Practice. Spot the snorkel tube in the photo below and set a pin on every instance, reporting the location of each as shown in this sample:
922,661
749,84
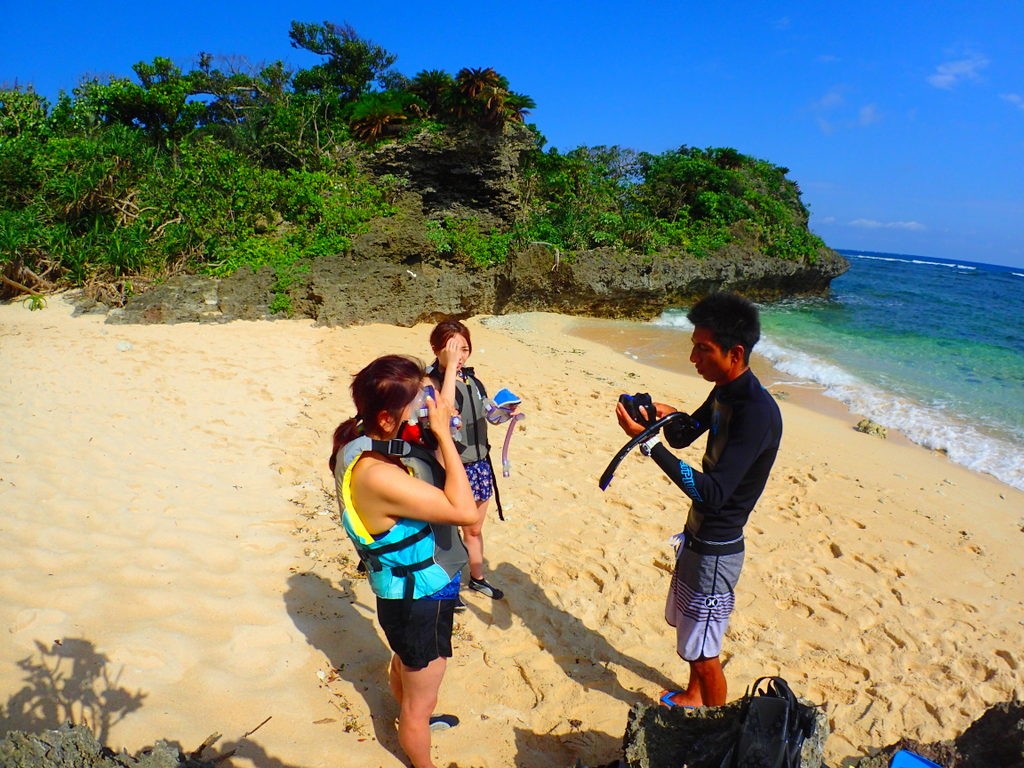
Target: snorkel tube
653,429
506,465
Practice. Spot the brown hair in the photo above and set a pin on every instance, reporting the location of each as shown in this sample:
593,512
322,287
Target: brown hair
445,330
388,384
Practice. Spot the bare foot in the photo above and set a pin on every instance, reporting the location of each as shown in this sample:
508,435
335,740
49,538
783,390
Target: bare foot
680,699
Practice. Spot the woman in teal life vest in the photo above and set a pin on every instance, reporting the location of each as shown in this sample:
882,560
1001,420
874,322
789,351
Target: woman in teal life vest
400,508
459,388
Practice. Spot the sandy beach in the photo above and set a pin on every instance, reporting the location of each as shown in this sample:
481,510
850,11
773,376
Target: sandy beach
174,566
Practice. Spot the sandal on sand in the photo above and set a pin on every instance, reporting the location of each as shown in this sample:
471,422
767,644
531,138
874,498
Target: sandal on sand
443,722
666,700
440,722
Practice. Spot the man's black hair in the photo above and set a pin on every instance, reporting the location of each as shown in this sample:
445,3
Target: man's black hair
731,319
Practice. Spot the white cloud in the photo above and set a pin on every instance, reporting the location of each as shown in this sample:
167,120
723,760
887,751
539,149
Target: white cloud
831,100
833,113
1013,98
869,114
951,73
912,226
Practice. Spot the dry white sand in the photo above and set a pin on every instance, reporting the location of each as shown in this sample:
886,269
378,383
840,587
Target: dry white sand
173,566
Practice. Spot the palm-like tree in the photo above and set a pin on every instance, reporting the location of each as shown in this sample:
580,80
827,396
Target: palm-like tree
471,82
375,113
482,95
518,106
431,85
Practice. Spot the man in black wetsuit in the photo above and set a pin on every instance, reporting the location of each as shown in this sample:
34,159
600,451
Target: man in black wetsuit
744,428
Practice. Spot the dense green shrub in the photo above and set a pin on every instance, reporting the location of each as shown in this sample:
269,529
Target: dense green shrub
212,171
465,240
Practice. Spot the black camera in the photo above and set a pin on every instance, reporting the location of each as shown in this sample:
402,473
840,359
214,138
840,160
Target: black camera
681,431
640,408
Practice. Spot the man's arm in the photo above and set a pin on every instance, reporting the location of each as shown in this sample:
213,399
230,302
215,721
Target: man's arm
700,420
747,441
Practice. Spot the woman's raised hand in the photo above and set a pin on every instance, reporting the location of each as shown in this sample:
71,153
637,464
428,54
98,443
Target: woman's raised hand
440,414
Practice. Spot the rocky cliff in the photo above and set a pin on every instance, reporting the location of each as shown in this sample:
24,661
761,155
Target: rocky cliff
393,273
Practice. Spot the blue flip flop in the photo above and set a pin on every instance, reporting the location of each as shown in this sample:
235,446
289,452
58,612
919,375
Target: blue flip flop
666,700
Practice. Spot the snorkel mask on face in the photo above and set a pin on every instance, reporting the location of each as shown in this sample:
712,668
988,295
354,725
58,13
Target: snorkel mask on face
417,428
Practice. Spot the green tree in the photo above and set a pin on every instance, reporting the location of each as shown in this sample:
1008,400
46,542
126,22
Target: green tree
432,86
518,106
375,113
352,66
21,112
160,104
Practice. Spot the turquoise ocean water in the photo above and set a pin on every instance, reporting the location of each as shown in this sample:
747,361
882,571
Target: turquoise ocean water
932,348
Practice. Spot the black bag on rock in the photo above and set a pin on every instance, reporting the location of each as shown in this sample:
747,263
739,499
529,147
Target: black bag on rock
773,727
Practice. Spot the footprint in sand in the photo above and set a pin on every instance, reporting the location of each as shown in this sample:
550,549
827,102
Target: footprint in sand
865,563
1009,658
899,642
795,608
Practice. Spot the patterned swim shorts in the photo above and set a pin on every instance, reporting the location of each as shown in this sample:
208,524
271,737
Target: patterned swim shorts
481,480
700,602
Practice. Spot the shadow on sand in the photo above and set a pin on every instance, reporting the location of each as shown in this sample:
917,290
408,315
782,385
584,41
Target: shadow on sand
344,630
583,653
70,682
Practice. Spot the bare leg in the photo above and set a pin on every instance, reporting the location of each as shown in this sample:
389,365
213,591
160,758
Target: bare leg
473,538
711,680
395,678
418,688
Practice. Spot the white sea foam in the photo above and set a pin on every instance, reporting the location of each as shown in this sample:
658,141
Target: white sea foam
673,320
923,262
930,426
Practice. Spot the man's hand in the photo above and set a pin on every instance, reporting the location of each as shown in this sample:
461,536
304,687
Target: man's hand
633,428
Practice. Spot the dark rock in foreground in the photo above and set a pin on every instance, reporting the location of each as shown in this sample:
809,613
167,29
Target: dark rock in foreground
658,737
994,740
76,747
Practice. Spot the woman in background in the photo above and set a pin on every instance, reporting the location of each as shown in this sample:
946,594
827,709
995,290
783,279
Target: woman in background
459,388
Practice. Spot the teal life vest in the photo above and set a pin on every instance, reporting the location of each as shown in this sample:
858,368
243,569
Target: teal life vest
413,558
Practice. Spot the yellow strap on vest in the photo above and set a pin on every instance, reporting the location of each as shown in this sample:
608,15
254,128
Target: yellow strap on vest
350,508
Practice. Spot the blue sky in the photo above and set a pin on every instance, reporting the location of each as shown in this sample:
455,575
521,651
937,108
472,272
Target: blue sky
902,122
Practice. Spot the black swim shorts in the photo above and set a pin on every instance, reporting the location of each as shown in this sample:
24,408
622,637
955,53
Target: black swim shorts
418,631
